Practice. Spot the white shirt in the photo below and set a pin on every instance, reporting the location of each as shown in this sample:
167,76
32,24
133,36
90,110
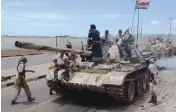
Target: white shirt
21,67
109,38
153,69
62,61
119,41
123,37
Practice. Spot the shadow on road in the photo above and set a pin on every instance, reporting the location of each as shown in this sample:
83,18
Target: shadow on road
90,100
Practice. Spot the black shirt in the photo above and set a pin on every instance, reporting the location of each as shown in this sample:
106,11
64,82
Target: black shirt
95,35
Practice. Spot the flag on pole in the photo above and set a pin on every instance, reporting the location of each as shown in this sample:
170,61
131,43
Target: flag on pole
142,5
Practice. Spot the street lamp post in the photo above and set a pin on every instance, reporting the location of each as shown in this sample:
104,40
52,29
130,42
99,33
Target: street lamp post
171,19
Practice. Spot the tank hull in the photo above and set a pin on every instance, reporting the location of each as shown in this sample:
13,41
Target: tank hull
121,84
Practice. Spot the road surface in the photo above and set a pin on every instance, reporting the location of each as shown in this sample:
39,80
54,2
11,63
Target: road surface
78,102
11,62
39,90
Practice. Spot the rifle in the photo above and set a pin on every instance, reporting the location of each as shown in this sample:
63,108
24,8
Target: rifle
82,48
126,31
6,78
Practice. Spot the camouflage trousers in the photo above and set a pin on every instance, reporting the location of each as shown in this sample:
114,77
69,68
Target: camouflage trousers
18,85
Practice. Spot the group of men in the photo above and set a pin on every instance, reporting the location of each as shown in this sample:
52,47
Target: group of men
64,59
122,40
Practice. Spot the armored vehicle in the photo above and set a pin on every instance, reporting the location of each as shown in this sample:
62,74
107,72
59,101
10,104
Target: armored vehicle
125,81
157,48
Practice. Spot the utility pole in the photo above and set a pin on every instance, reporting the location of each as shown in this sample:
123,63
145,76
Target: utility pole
56,43
134,30
137,28
141,32
171,19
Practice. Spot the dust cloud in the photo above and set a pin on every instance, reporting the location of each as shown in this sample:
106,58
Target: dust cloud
168,63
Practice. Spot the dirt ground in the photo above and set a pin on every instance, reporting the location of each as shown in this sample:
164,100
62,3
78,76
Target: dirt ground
167,94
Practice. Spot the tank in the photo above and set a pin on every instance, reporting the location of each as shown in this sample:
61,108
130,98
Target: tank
125,81
158,48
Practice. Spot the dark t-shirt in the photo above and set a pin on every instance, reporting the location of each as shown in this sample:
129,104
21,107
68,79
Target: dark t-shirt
95,35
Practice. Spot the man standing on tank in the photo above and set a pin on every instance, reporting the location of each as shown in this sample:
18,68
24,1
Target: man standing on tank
124,44
119,42
106,38
97,54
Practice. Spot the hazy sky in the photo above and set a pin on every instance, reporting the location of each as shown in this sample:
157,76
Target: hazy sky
73,17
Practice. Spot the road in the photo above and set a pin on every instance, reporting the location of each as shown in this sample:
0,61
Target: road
11,62
78,102
39,90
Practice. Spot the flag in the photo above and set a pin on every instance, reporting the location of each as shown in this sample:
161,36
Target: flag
142,5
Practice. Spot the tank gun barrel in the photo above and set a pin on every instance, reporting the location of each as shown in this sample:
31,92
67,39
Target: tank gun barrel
27,45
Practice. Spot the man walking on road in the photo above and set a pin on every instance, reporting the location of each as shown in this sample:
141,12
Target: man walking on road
20,81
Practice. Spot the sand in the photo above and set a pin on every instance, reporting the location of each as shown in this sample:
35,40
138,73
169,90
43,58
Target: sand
167,94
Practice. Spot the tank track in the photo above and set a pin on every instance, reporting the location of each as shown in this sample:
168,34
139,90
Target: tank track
120,93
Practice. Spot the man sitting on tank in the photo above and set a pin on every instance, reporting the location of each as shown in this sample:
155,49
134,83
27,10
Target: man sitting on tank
89,48
59,62
71,55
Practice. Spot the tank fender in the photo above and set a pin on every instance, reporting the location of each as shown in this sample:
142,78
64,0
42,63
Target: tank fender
115,78
95,79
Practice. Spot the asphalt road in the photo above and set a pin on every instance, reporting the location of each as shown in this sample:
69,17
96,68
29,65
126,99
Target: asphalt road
77,102
39,90
11,62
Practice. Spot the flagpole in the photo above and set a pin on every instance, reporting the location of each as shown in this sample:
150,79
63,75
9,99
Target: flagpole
133,21
137,28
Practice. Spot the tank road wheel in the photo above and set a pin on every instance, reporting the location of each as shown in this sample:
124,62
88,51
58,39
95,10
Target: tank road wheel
139,85
131,91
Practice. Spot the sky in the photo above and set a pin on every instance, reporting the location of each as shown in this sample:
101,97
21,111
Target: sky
73,17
